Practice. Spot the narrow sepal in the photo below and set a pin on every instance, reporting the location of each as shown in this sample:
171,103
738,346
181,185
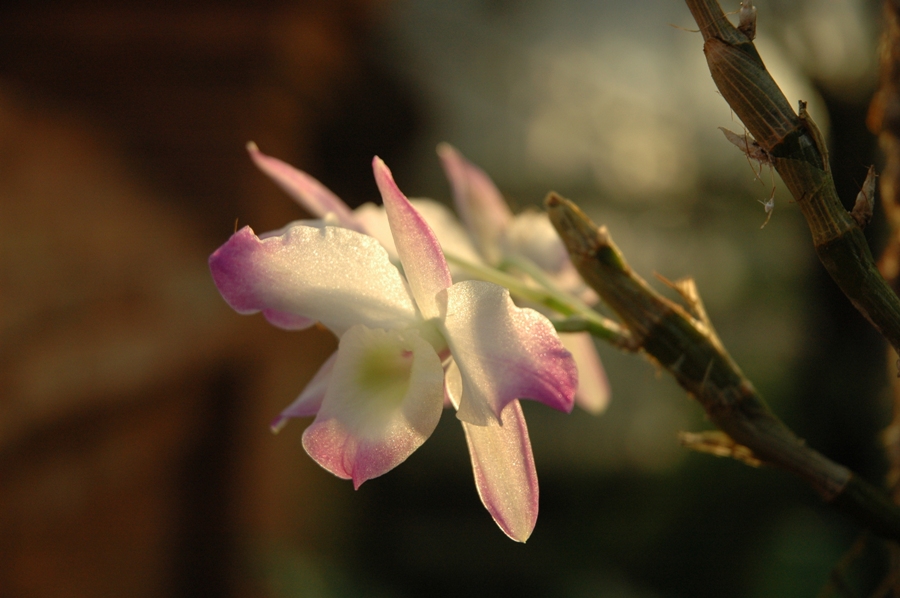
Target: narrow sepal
478,201
418,247
312,195
504,470
310,400
593,386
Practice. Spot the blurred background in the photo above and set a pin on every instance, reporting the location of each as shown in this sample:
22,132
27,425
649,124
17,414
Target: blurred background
135,454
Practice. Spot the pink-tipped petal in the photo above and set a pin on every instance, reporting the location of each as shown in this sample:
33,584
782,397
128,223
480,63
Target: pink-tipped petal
331,275
310,400
504,472
502,462
384,400
312,195
478,201
286,320
453,238
593,386
418,248
450,234
503,352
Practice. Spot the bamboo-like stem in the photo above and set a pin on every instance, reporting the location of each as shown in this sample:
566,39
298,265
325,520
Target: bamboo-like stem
689,349
796,149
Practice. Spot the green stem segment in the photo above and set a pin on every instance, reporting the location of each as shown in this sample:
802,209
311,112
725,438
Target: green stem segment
689,349
581,317
796,149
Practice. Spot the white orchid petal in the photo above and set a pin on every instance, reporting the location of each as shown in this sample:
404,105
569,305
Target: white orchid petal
312,195
418,248
504,470
374,221
310,400
452,385
502,462
384,400
450,234
593,386
531,234
331,275
503,352
287,320
478,201
453,238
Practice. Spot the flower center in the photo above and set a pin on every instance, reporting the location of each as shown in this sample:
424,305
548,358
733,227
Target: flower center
383,368
429,331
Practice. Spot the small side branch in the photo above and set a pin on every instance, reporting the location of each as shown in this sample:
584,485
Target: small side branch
687,346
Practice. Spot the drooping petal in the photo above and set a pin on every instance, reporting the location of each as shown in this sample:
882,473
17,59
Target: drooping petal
312,195
504,470
478,201
502,462
418,248
309,401
504,352
331,275
384,400
593,386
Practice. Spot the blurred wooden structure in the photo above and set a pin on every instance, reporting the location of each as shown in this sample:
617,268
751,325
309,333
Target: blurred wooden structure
135,458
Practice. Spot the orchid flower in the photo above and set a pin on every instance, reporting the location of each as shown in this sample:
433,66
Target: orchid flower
528,242
407,341
494,236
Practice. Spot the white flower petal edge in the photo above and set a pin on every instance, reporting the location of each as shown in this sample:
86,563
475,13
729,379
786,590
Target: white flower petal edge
384,400
478,201
331,275
373,220
503,352
450,234
310,400
454,239
503,464
304,189
505,475
420,253
531,234
593,386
